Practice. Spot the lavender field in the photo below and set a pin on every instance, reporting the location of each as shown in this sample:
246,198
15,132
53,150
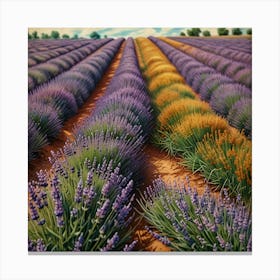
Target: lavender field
140,144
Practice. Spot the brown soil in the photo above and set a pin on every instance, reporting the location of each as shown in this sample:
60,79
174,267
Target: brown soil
169,169
42,162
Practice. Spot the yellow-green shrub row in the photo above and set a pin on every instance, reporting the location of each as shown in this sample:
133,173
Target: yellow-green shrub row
187,126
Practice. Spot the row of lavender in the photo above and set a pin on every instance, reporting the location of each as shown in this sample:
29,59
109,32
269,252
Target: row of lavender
239,55
85,205
238,71
226,97
44,72
50,105
42,56
241,44
45,45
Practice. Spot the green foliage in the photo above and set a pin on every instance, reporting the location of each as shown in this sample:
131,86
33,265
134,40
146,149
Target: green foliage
186,221
249,31
76,36
105,36
194,32
222,31
35,35
206,33
236,31
65,36
29,36
94,35
182,34
55,34
45,36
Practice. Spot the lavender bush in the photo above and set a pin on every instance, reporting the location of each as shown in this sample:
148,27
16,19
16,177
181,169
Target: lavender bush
225,96
36,140
81,210
186,221
240,116
46,119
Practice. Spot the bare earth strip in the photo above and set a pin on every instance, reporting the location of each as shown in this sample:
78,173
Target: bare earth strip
42,162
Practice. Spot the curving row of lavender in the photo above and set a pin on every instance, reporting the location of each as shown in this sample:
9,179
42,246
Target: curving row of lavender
49,44
240,72
44,72
92,189
243,45
51,104
236,55
226,97
42,56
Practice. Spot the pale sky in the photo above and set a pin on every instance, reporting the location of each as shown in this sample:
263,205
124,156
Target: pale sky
123,32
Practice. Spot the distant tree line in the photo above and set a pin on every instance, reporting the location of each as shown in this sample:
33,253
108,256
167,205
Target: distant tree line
56,35
195,32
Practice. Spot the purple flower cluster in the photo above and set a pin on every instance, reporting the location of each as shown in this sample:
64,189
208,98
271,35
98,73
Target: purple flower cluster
56,101
222,91
87,206
195,222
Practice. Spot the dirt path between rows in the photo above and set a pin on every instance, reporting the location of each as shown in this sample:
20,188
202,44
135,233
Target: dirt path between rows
42,162
169,169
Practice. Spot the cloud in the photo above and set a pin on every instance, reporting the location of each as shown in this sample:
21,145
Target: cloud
122,32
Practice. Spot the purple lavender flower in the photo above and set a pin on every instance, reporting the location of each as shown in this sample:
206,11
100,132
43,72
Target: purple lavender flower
33,211
79,192
74,213
79,243
102,211
40,246
157,236
31,245
111,243
130,247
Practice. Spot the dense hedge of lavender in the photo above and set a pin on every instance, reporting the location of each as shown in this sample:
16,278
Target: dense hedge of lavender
43,72
219,63
219,90
85,205
53,103
42,56
186,221
214,46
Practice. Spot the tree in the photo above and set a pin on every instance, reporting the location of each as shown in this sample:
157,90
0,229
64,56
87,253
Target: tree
65,36
194,32
45,36
206,33
249,31
29,36
182,34
236,31
55,34
223,31
105,36
94,35
35,35
76,36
